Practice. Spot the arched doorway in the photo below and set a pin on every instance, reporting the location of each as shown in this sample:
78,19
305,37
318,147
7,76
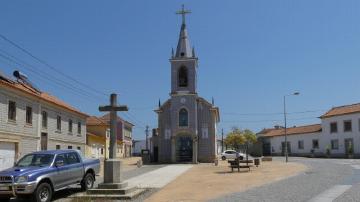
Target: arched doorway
184,147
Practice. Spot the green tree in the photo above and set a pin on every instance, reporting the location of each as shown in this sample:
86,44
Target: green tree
250,137
238,137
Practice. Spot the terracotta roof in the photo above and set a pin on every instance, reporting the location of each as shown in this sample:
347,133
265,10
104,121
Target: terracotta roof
41,95
93,120
103,120
106,117
266,130
291,131
341,110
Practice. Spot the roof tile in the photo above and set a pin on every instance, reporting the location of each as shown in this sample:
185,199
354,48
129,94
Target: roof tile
291,131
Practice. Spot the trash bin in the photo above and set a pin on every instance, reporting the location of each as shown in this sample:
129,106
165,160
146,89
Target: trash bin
257,162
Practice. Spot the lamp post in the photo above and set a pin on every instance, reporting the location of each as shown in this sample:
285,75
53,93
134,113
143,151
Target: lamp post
286,146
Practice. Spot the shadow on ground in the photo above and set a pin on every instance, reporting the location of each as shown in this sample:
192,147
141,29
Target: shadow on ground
229,172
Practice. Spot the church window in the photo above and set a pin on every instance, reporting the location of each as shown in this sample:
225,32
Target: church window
183,77
205,131
183,118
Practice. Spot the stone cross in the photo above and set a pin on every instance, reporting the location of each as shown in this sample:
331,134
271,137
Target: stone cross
183,12
113,108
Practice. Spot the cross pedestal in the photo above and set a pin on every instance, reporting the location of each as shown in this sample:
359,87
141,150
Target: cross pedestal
113,166
113,175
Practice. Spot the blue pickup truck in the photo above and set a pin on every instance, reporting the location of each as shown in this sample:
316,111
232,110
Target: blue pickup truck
38,175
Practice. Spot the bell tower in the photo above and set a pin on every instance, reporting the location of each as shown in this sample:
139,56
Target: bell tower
183,62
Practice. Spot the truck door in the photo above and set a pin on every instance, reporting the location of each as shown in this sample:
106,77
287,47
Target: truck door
60,177
76,171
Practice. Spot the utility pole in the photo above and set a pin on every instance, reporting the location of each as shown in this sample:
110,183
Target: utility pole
222,140
147,137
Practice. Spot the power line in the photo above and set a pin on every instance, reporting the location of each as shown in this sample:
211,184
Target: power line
36,70
50,66
272,113
48,77
134,121
60,82
259,121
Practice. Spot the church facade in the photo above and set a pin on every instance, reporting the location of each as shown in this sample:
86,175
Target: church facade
186,122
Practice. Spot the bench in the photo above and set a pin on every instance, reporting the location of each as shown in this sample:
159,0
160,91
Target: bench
237,164
246,161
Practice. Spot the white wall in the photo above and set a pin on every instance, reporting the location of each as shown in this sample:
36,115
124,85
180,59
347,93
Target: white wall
293,140
341,135
64,136
324,137
28,136
24,135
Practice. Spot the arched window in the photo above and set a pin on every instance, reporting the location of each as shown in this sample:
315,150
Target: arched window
183,118
183,77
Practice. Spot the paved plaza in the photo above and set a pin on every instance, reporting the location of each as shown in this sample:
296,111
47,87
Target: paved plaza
326,180
159,177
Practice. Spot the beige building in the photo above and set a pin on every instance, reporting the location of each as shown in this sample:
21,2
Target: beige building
98,134
31,120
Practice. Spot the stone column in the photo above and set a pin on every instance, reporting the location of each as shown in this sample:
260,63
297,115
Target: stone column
173,149
195,149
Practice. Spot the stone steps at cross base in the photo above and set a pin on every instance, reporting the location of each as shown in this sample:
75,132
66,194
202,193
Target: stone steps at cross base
111,191
109,197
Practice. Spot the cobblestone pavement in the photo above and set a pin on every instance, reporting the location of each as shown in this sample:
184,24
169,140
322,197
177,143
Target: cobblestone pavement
322,176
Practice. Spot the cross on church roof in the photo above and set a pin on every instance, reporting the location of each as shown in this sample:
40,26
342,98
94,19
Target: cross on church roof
183,12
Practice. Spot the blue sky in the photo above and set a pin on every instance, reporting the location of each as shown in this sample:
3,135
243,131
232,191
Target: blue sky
251,53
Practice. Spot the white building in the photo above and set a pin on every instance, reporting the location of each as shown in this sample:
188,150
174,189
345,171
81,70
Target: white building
31,120
338,134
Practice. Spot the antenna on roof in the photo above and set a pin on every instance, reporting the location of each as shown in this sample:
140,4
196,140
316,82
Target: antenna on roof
22,78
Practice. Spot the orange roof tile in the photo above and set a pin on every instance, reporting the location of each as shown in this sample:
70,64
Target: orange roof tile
41,95
103,120
95,121
341,110
291,131
106,118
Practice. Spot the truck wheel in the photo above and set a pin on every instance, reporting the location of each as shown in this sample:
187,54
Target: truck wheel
87,182
43,193
223,158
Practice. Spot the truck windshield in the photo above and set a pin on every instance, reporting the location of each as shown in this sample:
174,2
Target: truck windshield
35,160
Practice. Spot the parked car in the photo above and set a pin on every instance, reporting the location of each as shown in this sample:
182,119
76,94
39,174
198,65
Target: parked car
38,175
232,154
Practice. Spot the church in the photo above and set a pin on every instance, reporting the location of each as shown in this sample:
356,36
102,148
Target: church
186,122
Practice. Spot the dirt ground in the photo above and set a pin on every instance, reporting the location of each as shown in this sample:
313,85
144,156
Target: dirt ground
206,181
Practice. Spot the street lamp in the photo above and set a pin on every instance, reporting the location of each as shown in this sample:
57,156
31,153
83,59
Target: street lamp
286,146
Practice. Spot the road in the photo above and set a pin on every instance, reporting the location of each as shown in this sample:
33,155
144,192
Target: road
326,180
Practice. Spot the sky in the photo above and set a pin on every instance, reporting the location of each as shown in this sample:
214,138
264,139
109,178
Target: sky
251,53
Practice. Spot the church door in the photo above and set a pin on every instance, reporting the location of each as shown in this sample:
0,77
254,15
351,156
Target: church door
184,149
